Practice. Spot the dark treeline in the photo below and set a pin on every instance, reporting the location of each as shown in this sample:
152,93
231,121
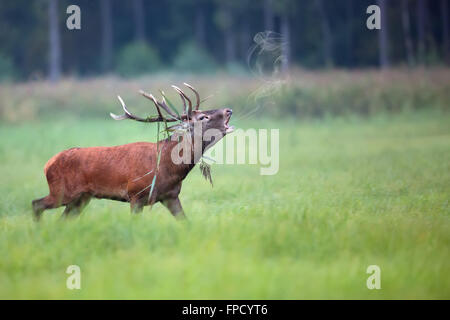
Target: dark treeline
139,36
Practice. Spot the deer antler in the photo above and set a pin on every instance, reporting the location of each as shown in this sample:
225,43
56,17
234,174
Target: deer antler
129,115
184,97
161,104
197,95
158,104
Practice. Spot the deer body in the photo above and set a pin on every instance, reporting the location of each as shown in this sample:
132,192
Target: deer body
124,173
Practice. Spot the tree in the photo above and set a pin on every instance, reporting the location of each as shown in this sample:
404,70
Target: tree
200,32
383,36
407,33
349,31
139,20
54,42
286,46
284,9
268,15
224,19
445,30
243,11
245,37
326,32
107,34
421,20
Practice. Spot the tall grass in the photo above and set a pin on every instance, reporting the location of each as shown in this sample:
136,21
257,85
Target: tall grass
302,95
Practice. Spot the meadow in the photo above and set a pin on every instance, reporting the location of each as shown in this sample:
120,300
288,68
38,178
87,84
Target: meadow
351,191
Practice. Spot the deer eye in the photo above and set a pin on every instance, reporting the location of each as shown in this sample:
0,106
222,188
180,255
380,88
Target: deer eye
203,117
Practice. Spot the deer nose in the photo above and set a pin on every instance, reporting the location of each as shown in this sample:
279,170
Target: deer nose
228,112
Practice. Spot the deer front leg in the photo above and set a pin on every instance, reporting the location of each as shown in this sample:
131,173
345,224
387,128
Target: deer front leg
175,208
137,204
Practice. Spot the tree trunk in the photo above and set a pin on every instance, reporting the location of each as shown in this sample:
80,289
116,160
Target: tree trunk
245,39
383,36
107,34
421,17
230,39
445,30
139,20
327,37
407,33
54,42
230,46
349,33
200,34
268,15
286,44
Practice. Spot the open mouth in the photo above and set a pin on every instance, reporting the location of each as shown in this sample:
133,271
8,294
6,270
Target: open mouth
228,128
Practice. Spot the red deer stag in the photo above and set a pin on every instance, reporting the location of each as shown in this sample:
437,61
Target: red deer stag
125,173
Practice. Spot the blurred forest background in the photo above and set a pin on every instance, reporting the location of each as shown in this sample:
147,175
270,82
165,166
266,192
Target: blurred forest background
136,37
269,58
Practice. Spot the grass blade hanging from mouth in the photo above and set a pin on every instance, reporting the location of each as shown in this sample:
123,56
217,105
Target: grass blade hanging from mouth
205,169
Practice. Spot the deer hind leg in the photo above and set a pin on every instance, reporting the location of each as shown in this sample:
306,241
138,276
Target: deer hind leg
39,205
175,208
75,207
54,200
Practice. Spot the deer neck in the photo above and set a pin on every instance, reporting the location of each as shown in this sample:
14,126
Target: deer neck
183,152
182,162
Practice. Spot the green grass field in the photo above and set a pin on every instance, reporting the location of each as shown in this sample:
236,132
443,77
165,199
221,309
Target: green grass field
349,194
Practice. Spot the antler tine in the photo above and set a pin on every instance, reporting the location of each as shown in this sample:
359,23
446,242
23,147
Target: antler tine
197,95
184,97
129,115
159,104
157,108
162,103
